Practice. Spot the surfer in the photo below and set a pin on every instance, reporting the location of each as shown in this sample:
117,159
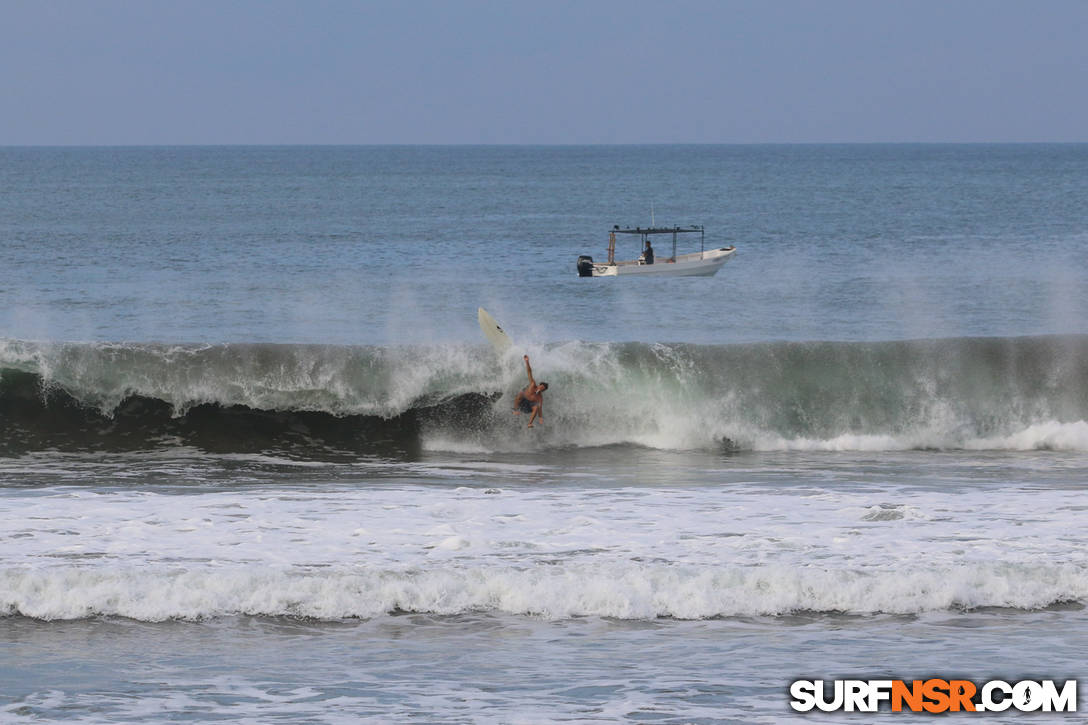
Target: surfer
531,398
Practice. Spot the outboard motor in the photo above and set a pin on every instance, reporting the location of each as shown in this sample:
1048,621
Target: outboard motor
585,266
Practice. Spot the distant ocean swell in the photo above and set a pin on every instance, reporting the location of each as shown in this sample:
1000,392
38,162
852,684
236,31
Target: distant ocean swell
634,591
974,393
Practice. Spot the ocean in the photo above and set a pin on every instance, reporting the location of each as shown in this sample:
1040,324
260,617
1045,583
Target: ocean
258,462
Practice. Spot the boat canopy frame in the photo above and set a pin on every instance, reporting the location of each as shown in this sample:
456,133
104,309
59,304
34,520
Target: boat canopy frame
645,232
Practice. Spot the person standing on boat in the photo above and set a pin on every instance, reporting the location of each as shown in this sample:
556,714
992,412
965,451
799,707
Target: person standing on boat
531,398
648,253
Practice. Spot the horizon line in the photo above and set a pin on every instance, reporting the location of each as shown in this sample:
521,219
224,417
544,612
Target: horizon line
538,144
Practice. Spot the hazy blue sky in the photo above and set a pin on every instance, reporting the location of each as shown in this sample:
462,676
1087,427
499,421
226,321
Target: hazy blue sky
545,71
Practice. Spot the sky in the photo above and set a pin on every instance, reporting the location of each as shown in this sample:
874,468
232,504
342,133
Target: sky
139,72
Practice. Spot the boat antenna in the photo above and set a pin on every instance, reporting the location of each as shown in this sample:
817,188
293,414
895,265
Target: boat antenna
651,214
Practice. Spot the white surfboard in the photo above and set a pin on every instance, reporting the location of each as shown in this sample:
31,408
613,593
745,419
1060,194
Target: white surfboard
494,333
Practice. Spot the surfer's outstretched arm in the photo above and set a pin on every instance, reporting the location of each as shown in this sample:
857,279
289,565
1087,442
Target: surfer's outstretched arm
529,370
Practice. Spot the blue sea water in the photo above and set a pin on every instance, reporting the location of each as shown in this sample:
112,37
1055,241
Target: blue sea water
257,462
394,244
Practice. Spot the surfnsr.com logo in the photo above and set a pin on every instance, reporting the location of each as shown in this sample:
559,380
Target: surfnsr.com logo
933,695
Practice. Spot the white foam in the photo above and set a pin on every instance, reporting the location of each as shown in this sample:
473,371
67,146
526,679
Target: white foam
1049,435
623,591
1046,435
555,552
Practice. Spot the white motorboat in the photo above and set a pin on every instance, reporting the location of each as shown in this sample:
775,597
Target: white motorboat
703,263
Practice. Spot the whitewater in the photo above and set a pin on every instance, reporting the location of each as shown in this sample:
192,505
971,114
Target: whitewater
258,464
649,553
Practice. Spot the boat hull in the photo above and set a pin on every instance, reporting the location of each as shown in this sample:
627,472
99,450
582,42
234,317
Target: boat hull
699,264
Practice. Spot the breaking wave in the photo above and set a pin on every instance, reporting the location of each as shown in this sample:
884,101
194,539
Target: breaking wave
968,393
550,591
